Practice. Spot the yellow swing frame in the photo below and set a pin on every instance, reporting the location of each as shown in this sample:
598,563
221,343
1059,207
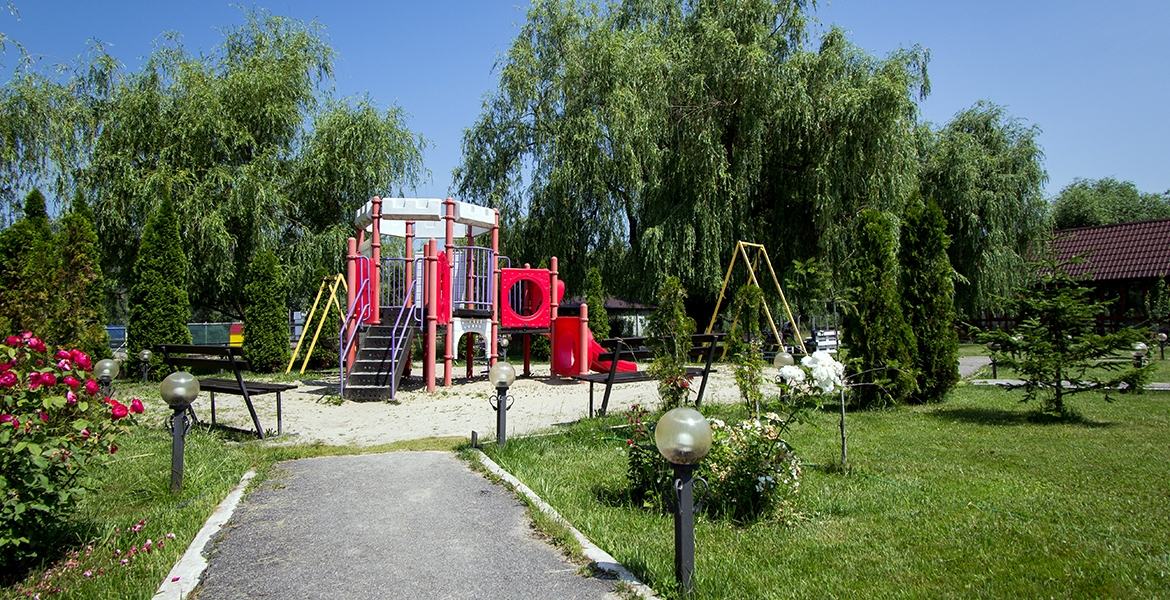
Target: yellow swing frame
336,279
741,248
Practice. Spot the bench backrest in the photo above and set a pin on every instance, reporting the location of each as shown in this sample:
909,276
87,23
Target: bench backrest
635,348
206,357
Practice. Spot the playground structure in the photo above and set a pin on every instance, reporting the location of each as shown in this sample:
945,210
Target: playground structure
741,249
455,291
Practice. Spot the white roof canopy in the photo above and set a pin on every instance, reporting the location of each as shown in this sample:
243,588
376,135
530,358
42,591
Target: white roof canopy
427,215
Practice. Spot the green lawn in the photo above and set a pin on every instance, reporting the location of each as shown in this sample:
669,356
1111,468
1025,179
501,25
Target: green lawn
1161,372
977,497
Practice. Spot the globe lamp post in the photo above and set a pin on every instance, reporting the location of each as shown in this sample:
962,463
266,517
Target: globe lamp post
1161,337
502,375
106,370
179,390
144,358
994,347
1140,349
683,437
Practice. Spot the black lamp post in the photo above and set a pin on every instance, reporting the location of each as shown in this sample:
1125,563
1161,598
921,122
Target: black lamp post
144,358
106,370
1161,337
683,437
502,375
179,390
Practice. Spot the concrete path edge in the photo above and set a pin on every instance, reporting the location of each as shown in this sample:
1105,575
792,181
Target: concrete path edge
186,573
600,558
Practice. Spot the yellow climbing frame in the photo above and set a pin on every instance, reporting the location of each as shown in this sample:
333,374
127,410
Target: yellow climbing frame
330,302
741,248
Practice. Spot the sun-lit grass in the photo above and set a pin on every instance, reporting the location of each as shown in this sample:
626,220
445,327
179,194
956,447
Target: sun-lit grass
976,497
1161,372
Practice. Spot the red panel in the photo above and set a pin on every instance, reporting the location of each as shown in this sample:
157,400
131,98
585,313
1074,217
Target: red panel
444,282
539,281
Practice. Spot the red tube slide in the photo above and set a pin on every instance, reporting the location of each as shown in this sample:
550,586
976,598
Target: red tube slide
564,356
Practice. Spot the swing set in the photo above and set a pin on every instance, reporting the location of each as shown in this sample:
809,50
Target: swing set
741,249
330,302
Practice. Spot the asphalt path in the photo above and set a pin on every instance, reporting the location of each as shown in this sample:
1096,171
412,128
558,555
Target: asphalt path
384,526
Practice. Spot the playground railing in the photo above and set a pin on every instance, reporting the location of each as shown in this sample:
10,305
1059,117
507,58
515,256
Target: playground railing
408,313
472,278
394,282
348,335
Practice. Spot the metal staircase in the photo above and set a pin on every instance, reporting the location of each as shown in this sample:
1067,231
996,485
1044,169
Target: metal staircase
382,355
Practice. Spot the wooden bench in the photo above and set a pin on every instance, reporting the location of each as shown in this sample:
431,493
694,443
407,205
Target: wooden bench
703,345
225,358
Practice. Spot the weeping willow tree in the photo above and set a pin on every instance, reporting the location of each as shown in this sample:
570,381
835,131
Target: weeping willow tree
255,150
984,169
647,137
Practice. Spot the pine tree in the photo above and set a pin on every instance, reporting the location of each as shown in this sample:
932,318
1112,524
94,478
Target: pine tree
881,345
1054,347
79,312
266,314
595,298
27,269
159,306
928,299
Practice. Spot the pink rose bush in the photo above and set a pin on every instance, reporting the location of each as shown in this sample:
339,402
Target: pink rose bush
54,428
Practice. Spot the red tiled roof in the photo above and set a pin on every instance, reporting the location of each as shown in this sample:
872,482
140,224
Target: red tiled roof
1123,251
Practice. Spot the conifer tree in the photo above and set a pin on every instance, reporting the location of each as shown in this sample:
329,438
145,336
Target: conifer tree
78,307
27,269
881,345
266,314
159,306
595,298
928,299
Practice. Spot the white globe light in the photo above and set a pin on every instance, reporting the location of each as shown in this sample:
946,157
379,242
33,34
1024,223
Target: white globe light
502,374
179,389
783,359
1140,349
106,369
683,436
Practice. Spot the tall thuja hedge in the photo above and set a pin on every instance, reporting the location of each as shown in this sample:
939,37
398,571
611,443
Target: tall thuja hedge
159,306
595,298
880,343
27,269
79,307
928,293
266,314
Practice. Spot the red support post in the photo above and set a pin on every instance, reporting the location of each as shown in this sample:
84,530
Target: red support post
449,339
583,341
497,297
409,256
376,271
553,304
431,300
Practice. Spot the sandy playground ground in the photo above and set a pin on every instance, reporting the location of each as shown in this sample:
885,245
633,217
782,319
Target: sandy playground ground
540,404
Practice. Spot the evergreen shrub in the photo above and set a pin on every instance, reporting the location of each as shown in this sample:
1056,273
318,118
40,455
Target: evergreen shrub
928,292
159,305
266,315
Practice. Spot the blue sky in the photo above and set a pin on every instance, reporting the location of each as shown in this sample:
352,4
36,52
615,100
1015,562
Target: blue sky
1094,76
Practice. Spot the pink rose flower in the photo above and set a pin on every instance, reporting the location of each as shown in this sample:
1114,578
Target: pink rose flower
8,379
48,379
36,344
44,417
119,410
81,359
63,355
6,418
91,387
72,382
5,367
12,340
26,335
34,378
64,365
70,397
84,433
136,406
113,449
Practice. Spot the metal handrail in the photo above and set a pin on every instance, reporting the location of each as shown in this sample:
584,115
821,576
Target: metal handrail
414,313
347,343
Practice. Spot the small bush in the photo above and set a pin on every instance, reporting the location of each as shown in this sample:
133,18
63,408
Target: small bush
55,429
670,332
159,305
595,298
